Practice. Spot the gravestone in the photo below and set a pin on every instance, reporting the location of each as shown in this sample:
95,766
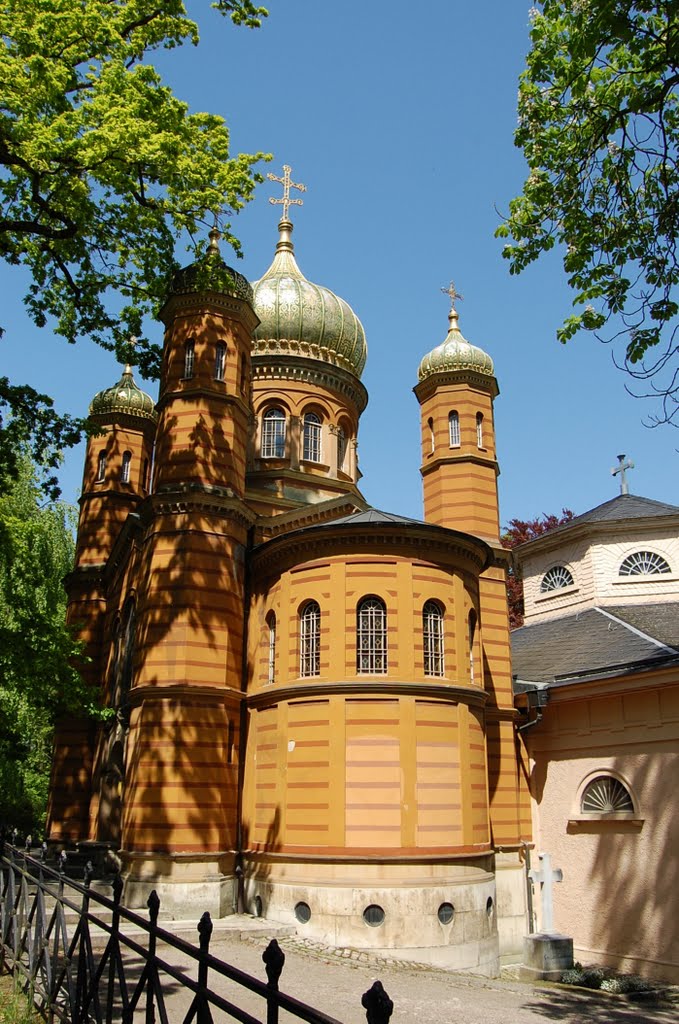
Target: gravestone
547,954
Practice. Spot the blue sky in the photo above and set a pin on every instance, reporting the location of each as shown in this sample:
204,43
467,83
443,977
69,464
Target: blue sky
400,124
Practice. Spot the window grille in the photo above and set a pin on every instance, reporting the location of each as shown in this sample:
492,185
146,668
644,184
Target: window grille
310,640
479,430
341,448
101,467
220,361
606,795
126,466
311,451
432,633
556,578
189,358
272,648
454,429
273,434
644,563
371,636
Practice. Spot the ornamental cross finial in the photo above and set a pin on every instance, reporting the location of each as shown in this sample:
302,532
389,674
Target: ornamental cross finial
452,291
287,184
623,464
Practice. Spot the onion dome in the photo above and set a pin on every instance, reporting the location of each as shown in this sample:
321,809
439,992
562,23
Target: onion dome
124,399
298,318
455,353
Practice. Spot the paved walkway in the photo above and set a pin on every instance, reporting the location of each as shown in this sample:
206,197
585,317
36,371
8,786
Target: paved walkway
334,981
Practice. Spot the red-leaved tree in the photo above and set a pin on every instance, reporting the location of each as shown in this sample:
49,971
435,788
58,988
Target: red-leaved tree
518,531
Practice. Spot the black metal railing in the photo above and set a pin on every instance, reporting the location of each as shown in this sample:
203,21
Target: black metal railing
86,959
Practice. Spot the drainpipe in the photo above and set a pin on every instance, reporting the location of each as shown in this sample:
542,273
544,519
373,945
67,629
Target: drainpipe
537,698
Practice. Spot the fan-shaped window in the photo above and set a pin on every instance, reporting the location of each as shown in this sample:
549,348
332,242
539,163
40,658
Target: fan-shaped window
644,563
126,466
606,795
371,636
454,429
273,434
432,635
556,578
310,640
311,450
220,360
479,430
189,358
271,671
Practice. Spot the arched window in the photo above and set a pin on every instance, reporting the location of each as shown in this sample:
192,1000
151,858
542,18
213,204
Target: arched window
606,795
454,428
101,467
126,466
273,434
220,360
432,441
127,654
371,636
471,637
242,384
432,635
189,357
556,578
271,623
310,639
311,448
479,430
644,563
341,449
145,476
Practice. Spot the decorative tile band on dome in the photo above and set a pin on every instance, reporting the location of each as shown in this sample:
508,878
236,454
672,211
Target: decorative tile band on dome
298,317
455,353
124,398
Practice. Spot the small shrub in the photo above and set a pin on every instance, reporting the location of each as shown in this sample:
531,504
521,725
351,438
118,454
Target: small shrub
586,977
622,984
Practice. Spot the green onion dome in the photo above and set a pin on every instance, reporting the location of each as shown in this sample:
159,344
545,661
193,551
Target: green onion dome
298,318
455,353
124,399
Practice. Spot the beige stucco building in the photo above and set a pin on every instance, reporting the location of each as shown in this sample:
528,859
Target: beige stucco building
314,710
597,671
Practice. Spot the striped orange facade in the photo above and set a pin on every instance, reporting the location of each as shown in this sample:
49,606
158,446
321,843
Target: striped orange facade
335,781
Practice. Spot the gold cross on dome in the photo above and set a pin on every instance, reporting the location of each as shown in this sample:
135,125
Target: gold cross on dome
287,184
454,294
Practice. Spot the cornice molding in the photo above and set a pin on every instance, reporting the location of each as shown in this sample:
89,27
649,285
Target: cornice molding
220,501
427,387
451,460
184,691
281,365
192,303
377,686
190,394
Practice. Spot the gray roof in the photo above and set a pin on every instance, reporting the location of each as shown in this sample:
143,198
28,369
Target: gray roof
373,515
623,507
596,642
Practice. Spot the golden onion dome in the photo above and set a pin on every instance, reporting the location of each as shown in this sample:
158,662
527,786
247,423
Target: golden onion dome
123,399
455,353
299,318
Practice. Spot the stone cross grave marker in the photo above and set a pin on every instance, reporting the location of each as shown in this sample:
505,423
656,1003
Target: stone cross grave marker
546,876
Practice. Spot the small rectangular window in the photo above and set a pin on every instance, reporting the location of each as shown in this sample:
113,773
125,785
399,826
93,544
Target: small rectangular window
220,361
454,429
189,357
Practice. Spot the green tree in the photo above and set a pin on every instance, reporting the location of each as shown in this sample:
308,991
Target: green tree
599,127
38,654
103,169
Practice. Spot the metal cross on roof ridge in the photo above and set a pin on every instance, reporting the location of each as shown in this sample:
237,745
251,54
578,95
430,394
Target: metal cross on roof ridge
620,468
287,184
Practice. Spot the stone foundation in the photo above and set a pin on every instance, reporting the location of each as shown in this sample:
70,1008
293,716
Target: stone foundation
187,884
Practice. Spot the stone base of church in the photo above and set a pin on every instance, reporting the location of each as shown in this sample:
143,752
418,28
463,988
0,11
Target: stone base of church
512,920
187,884
435,913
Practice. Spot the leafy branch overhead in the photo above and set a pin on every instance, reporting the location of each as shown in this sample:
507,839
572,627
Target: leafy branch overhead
103,168
599,127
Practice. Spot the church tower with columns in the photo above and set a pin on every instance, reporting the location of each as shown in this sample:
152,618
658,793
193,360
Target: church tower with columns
312,696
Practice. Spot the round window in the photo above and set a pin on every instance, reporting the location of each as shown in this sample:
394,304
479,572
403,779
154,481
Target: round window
373,915
446,913
302,912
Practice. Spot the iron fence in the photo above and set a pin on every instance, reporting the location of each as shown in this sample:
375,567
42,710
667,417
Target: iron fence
67,946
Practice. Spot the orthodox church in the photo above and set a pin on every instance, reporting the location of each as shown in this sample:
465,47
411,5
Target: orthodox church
313,703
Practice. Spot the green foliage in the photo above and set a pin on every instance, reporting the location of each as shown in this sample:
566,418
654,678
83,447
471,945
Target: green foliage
103,170
15,1006
38,679
599,126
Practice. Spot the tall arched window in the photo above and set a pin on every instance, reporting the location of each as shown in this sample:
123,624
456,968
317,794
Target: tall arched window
310,639
126,467
101,467
472,637
432,439
454,428
189,358
271,670
311,448
341,449
479,430
371,636
432,635
220,360
273,434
